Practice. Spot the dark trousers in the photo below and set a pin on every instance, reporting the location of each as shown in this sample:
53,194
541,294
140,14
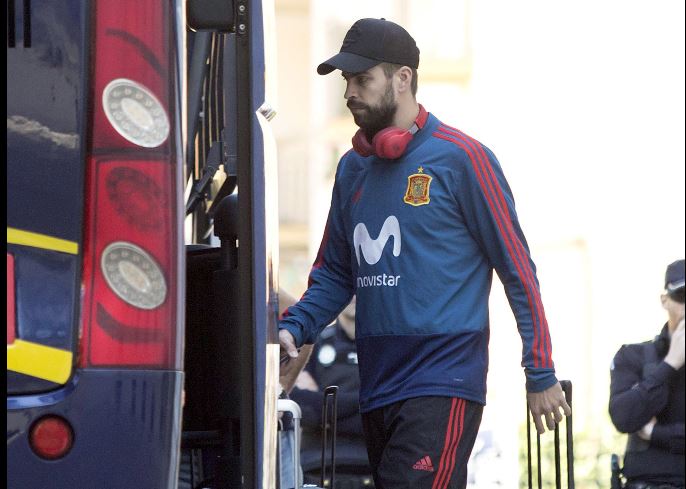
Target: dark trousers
424,442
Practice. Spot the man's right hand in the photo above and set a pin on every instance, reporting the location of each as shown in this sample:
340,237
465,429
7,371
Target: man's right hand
287,343
675,355
292,360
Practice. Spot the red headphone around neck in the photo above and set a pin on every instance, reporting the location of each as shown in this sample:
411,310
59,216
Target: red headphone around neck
389,143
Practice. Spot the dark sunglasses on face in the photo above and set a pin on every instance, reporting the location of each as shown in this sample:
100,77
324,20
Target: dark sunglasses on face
677,295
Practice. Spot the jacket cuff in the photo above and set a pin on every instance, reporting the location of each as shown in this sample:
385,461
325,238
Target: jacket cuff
295,330
540,381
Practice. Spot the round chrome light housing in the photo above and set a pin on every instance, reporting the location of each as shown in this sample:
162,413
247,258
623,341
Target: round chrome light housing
133,275
135,113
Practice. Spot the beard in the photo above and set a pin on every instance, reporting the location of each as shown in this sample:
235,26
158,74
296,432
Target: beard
373,119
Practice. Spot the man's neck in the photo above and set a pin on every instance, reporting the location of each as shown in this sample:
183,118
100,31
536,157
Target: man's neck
406,115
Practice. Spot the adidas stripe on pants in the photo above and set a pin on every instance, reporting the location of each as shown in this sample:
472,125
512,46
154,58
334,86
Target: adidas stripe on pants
424,442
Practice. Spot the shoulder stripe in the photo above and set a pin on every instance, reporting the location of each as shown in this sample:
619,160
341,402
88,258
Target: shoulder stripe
468,148
496,201
542,339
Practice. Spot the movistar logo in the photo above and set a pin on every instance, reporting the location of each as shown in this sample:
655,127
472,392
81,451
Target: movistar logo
373,248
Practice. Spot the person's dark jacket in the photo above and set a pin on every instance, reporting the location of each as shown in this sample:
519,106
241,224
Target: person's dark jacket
643,386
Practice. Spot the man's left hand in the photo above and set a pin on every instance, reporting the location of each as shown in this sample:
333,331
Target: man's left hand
547,404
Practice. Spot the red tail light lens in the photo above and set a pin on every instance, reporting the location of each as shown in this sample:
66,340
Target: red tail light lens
131,245
131,264
134,55
51,437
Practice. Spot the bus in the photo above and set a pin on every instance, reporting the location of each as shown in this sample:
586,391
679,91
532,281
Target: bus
142,247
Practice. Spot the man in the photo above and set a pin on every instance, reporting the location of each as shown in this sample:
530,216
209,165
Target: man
647,397
334,362
422,326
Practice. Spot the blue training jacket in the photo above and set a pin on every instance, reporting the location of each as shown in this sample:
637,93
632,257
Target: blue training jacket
417,239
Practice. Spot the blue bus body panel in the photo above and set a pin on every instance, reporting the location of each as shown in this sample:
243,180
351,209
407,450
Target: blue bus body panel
45,97
45,295
135,411
45,171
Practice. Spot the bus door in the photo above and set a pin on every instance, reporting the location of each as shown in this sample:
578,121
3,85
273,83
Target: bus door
231,349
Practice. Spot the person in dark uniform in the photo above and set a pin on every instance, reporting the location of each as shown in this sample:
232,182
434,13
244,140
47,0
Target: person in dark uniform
647,397
334,362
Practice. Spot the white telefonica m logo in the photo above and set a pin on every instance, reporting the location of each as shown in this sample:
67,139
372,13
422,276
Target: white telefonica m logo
372,248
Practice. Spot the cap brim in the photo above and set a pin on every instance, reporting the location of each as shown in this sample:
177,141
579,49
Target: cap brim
672,286
348,62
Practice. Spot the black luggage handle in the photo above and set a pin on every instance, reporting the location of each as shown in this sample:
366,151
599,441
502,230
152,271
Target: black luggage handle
567,389
330,392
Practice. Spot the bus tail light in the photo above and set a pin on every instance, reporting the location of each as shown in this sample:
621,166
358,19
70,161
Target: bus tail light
131,263
51,437
135,113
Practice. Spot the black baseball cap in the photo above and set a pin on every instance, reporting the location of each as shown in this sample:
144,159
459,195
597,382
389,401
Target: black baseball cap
370,42
674,276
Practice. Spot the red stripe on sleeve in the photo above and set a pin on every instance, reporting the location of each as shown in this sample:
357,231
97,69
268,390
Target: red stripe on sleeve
499,221
544,348
504,223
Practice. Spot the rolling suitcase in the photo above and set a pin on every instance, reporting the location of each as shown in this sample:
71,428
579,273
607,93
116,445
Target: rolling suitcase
567,389
294,470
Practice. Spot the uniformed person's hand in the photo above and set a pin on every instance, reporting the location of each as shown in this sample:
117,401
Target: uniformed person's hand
306,382
547,404
647,431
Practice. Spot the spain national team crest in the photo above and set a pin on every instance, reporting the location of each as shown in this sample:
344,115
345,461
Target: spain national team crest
417,192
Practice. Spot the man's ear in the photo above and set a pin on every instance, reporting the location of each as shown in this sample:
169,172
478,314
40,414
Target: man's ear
663,300
404,77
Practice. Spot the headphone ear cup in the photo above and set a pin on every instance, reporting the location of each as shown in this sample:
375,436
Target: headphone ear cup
390,143
361,145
